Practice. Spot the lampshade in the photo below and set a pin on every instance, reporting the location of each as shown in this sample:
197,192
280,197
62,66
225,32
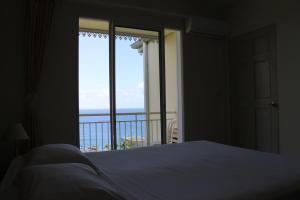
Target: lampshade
17,132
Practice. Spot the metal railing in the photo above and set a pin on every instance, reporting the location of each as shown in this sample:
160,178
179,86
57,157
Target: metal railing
133,129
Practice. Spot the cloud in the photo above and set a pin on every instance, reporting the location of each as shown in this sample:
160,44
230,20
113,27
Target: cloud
128,97
93,98
140,85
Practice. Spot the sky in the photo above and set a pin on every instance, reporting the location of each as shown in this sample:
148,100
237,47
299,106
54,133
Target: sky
94,74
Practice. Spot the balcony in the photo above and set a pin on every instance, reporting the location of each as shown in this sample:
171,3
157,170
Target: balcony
133,130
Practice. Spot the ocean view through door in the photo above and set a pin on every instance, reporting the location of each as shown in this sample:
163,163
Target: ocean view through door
120,83
94,105
137,87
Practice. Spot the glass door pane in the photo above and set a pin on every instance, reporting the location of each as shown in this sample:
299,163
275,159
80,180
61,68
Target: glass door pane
138,120
94,105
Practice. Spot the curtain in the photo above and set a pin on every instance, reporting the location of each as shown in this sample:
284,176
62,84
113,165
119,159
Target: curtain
38,19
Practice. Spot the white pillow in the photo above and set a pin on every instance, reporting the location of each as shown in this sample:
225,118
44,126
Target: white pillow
68,181
57,153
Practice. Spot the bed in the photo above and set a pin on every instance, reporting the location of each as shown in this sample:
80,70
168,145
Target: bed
192,170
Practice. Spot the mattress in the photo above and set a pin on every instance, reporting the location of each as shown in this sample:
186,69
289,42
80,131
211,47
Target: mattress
200,170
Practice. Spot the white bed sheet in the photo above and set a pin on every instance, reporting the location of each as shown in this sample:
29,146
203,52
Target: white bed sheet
199,170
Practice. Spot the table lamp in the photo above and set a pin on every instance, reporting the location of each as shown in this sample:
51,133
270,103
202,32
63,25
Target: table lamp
18,134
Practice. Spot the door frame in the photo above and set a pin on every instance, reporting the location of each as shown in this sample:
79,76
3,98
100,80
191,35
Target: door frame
250,36
112,87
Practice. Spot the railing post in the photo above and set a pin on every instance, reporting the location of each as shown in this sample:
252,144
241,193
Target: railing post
136,127
148,128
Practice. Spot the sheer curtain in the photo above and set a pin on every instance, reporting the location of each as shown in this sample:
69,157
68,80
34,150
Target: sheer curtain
39,15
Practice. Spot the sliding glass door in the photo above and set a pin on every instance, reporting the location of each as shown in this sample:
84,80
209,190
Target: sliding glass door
122,86
138,103
94,104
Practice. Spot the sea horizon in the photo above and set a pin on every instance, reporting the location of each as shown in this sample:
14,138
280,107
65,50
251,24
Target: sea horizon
107,110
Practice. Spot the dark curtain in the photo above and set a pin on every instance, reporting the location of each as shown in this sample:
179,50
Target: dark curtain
38,19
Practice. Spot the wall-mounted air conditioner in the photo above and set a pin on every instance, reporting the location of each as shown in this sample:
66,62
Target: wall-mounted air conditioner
206,26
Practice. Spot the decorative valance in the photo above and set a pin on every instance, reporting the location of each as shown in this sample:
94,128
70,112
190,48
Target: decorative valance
119,35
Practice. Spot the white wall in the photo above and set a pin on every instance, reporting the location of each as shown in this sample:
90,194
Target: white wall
253,14
205,89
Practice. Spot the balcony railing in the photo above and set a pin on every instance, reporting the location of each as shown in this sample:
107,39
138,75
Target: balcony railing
134,129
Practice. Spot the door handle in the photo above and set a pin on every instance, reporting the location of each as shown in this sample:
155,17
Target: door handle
274,104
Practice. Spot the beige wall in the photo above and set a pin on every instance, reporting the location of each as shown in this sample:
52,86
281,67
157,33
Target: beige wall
171,71
153,76
171,77
153,88
252,14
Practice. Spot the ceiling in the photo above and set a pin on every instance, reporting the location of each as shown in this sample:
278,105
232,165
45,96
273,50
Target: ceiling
176,2
221,2
165,3
205,8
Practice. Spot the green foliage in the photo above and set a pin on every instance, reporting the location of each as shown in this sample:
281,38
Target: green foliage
107,147
125,144
92,148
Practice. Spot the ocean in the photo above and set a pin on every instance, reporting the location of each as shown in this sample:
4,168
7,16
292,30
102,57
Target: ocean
130,129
